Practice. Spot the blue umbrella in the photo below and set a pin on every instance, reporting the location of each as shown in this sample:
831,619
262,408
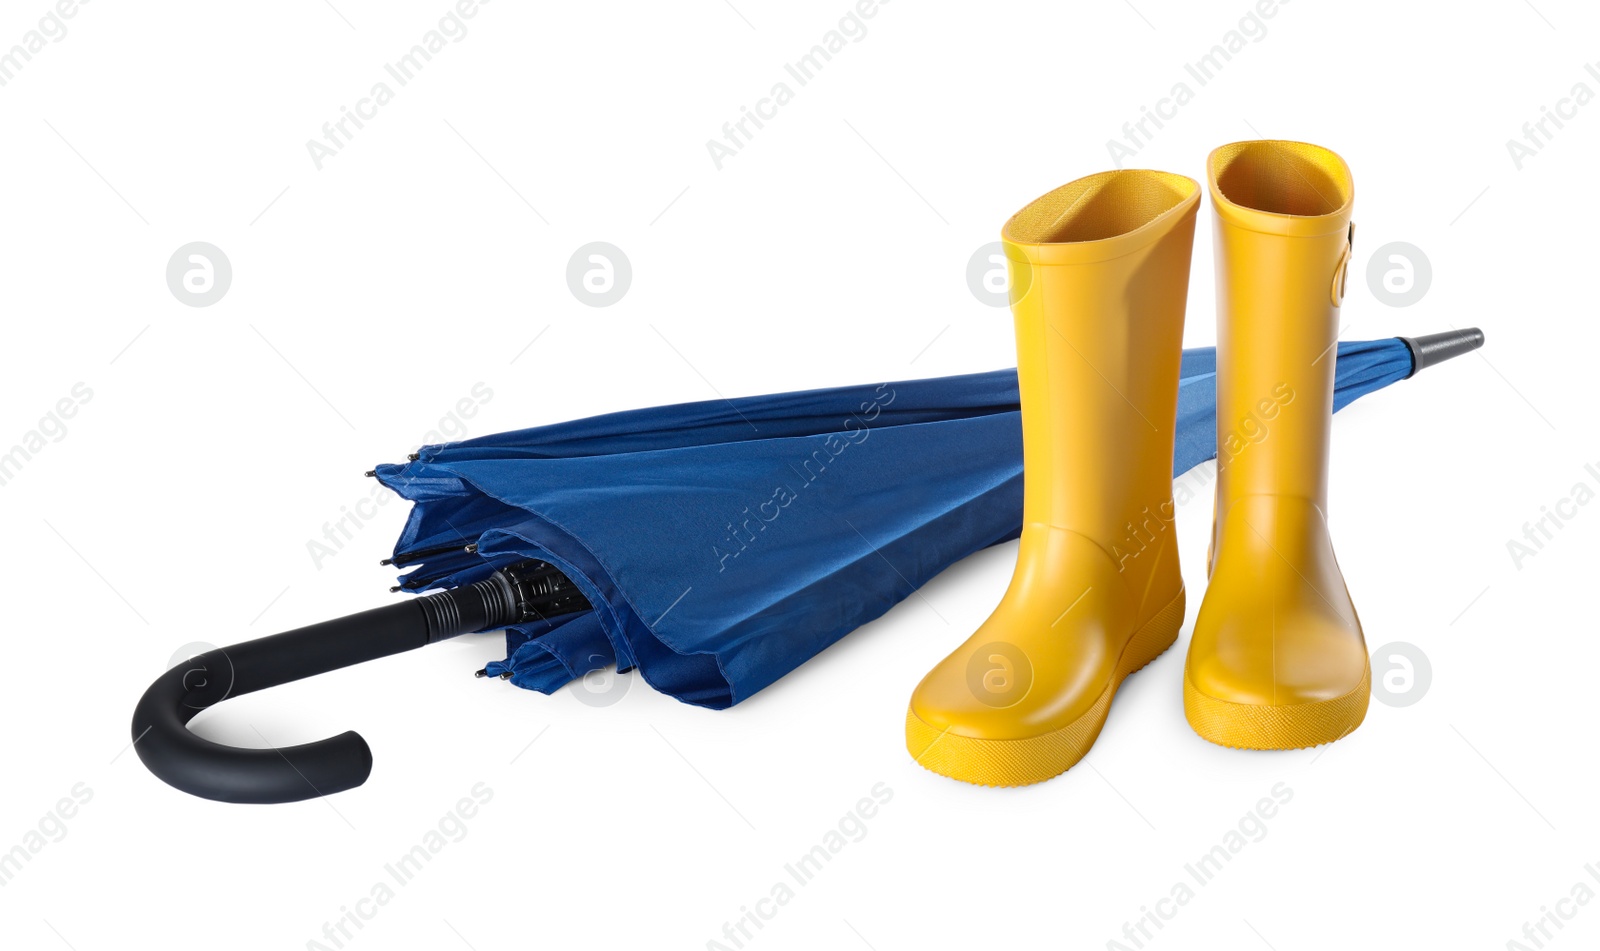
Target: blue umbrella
724,543
713,546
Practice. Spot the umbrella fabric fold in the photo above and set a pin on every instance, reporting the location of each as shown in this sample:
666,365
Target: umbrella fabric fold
723,543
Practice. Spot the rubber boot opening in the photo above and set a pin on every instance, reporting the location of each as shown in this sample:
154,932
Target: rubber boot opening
1099,207
1283,178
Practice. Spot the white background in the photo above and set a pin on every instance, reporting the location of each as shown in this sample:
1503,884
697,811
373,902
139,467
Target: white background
370,296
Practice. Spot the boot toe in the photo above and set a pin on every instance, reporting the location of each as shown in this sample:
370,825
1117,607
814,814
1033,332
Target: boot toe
1276,661
1275,682
998,713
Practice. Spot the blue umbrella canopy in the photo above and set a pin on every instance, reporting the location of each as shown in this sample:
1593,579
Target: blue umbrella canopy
721,544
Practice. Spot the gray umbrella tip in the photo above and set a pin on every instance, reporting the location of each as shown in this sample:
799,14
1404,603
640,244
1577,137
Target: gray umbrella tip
1437,348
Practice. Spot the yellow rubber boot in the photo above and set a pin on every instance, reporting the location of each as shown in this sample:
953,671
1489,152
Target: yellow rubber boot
1277,660
1099,276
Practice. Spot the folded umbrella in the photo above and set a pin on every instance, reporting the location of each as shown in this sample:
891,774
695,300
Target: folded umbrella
714,546
723,543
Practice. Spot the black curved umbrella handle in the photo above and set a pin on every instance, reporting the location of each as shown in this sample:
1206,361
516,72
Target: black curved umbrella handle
231,774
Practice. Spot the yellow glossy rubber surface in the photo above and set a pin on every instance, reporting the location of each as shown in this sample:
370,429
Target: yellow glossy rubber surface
1099,274
1040,756
1277,659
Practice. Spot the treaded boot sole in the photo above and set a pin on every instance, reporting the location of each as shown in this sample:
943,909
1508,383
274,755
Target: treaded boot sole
1251,726
1034,759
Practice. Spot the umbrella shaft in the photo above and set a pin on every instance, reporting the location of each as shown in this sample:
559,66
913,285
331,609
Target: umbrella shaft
484,606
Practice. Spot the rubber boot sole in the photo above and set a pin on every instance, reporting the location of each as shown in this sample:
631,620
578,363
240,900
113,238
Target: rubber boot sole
1034,759
1250,726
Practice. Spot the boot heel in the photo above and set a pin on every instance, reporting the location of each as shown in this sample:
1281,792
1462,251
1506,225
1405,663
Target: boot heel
1152,640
